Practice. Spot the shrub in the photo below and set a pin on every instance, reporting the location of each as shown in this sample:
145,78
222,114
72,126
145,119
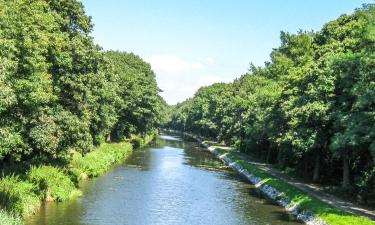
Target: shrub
366,187
136,141
99,161
52,183
9,218
18,196
141,140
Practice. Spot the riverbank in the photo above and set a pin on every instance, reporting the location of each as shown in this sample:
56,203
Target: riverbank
171,181
305,207
22,194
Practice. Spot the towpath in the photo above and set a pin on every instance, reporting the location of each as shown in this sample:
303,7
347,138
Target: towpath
313,189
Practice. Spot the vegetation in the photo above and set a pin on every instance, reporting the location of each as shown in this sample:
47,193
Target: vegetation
59,91
22,195
322,210
17,196
62,96
9,219
99,161
52,184
310,109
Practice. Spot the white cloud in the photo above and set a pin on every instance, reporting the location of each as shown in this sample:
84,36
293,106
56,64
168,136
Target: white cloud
180,78
179,86
207,60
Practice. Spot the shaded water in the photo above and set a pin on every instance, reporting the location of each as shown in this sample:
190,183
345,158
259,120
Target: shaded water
170,182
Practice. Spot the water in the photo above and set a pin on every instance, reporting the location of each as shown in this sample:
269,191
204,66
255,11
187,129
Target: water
168,183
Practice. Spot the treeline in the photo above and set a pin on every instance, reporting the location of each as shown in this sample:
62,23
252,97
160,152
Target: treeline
59,91
309,110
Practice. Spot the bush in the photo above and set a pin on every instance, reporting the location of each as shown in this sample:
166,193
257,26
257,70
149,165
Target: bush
22,197
18,196
9,218
322,210
149,137
52,183
136,141
99,161
366,188
139,141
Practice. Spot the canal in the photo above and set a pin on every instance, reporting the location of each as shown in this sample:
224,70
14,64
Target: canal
170,182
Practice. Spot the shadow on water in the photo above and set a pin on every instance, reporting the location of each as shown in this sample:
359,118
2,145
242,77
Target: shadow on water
172,181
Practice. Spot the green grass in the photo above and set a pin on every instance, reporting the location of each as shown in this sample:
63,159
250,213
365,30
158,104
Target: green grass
322,210
21,196
7,218
139,141
99,161
18,196
52,183
136,141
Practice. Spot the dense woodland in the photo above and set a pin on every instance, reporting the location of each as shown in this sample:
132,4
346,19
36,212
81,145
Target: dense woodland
59,91
310,110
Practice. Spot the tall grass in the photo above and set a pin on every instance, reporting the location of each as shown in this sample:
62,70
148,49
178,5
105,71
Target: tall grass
321,209
18,196
140,141
22,196
99,161
7,218
52,183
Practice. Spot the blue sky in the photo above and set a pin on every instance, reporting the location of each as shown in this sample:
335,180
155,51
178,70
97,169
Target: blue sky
198,42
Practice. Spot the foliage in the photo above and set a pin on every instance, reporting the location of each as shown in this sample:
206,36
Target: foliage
310,108
52,183
99,161
22,195
18,196
59,91
9,219
322,210
138,106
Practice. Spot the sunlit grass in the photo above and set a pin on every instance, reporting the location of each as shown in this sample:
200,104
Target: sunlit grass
22,195
99,161
18,196
321,209
52,183
7,218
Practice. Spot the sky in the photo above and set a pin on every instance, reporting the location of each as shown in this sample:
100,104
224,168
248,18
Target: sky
195,43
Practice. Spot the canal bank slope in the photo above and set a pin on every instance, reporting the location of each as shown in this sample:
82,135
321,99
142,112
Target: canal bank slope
305,207
22,194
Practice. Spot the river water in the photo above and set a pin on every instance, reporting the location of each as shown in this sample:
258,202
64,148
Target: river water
170,182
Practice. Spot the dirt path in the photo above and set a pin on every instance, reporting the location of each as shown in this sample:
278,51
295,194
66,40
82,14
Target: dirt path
312,189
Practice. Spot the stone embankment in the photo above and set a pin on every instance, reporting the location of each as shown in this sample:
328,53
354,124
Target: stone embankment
270,192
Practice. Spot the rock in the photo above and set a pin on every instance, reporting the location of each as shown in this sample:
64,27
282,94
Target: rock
270,192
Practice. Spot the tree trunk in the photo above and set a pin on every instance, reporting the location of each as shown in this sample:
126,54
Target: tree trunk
108,137
11,161
305,167
316,174
280,158
268,155
346,170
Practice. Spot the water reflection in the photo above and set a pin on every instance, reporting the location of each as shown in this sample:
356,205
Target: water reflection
170,182
169,137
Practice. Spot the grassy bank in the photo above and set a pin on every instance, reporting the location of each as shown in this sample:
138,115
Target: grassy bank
99,161
23,194
7,218
322,210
